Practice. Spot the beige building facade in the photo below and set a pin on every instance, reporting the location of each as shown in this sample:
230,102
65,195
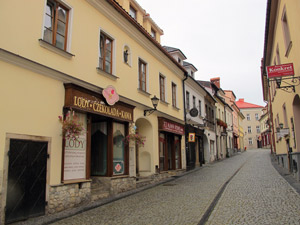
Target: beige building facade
91,63
282,93
251,124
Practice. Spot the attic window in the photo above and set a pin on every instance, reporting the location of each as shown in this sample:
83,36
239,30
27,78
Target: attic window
153,33
192,74
179,60
132,12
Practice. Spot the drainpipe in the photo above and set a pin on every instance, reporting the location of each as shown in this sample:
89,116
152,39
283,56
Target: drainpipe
185,127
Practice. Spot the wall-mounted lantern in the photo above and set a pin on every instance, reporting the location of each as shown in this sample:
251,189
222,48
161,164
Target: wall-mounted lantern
154,101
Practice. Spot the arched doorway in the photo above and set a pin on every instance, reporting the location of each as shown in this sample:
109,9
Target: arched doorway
144,154
296,111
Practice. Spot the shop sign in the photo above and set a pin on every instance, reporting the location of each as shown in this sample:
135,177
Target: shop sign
75,155
192,137
85,100
194,112
100,107
111,95
280,70
172,127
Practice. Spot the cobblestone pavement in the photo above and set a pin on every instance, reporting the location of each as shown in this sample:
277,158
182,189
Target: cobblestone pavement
182,201
257,195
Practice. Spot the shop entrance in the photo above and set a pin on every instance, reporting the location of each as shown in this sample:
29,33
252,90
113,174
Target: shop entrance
26,187
108,155
169,151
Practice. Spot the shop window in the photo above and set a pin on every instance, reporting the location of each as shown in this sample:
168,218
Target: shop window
177,153
56,24
118,149
162,150
106,50
142,75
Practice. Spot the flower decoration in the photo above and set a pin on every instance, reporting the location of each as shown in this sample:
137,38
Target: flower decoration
110,94
71,127
139,140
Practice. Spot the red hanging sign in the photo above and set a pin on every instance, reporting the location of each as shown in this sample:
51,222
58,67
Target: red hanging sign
280,70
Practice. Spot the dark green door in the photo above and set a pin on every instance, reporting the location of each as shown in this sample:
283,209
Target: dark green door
26,188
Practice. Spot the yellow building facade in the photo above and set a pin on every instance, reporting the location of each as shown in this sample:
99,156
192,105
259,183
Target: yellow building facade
282,46
91,63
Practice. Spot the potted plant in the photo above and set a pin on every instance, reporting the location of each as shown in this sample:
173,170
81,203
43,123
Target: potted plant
71,126
138,139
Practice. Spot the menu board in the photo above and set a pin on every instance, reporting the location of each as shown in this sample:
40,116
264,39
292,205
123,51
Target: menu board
75,153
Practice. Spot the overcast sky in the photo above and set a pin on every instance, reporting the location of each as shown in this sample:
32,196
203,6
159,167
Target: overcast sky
221,38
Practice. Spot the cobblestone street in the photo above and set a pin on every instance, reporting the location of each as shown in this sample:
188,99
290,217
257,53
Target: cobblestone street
257,194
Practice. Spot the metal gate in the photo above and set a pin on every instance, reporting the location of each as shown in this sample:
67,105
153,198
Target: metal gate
26,187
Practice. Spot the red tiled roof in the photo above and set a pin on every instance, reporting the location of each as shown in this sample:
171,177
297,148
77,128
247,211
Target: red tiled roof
245,105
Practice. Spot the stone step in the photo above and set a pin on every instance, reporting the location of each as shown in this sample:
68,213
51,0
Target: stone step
143,181
99,195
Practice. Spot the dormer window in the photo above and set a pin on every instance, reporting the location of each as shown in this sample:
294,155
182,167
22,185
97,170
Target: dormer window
192,74
132,12
153,33
179,60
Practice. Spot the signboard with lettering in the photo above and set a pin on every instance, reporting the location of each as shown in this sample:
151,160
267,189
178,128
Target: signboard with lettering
280,70
75,154
88,101
170,126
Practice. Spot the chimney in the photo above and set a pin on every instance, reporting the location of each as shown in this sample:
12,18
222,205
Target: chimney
216,81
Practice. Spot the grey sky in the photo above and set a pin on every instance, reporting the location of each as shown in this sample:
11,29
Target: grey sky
221,38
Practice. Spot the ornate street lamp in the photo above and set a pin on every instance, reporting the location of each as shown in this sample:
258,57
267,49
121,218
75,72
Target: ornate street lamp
154,101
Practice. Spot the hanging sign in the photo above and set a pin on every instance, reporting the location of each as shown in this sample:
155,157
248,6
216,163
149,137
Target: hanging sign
194,112
280,70
192,137
111,95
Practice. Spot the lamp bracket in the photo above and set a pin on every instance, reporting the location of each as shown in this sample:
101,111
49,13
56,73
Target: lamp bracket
289,83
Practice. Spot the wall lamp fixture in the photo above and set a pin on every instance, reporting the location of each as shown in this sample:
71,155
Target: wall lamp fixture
154,101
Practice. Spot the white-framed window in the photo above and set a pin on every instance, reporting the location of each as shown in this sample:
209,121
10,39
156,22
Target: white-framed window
256,116
257,129
153,33
56,24
106,53
142,75
249,130
132,12
162,87
187,96
200,111
286,31
250,141
174,95
248,117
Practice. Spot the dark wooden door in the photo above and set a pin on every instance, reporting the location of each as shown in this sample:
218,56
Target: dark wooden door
26,188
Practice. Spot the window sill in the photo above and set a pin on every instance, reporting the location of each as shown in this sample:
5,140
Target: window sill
164,102
144,92
108,75
57,50
288,49
174,107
